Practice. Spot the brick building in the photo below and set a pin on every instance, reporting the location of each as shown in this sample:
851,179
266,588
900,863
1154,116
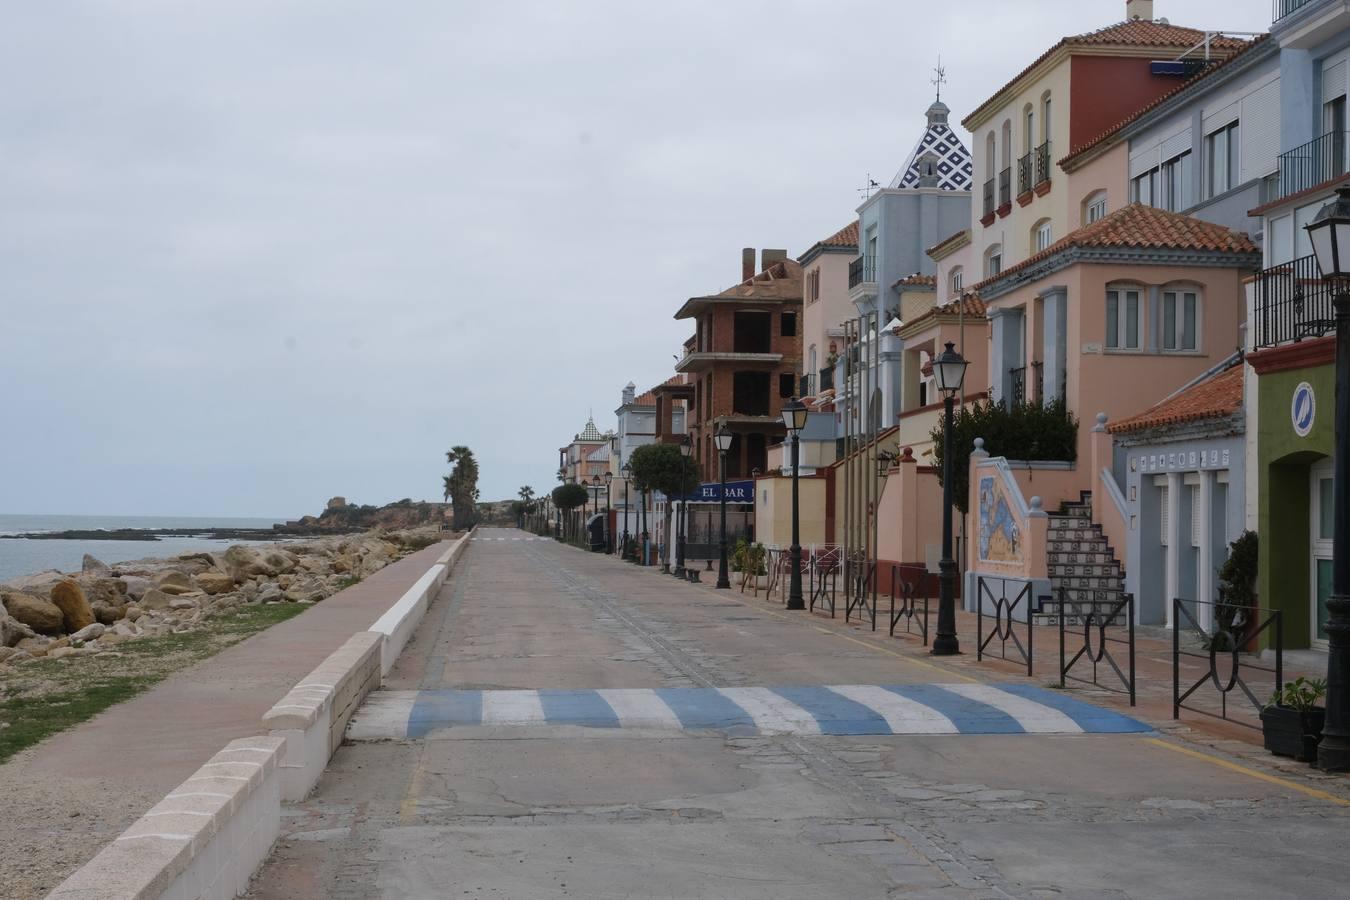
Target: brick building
743,361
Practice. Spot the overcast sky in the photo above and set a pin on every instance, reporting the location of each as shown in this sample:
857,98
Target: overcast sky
255,254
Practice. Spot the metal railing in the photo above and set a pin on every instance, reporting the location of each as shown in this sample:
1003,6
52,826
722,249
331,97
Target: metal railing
1283,8
1107,627
823,577
1005,188
859,577
1024,175
1005,620
1017,385
912,584
1237,630
1316,162
1293,302
1043,163
827,378
989,197
863,269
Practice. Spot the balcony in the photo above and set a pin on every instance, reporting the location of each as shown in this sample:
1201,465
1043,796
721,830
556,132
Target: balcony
861,271
827,378
1287,7
1024,170
1005,191
699,361
988,201
1316,162
1043,168
1292,302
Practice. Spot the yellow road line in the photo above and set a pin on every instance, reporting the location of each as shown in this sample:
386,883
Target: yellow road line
407,810
1252,773
830,631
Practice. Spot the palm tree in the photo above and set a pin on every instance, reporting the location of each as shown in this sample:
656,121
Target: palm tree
461,486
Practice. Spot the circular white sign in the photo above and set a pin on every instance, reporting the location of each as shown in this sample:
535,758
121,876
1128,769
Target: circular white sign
1303,409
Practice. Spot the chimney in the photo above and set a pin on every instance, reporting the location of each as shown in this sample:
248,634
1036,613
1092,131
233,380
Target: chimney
769,257
1139,9
747,263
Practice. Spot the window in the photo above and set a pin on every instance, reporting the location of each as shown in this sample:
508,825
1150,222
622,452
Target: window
1180,310
813,285
786,381
1122,318
1094,207
1040,235
1143,188
788,324
1028,129
993,261
1221,156
1175,183
1045,116
955,281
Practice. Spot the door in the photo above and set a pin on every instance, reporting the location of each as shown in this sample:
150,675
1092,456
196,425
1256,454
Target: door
1322,534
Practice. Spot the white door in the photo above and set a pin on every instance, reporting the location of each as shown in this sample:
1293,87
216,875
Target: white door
1322,533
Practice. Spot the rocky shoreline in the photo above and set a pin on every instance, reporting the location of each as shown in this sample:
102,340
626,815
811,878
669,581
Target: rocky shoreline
54,614
275,533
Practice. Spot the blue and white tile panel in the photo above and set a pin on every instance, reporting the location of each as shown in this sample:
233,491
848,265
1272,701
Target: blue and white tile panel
836,709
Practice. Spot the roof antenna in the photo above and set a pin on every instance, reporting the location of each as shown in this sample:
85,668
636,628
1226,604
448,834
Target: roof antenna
939,78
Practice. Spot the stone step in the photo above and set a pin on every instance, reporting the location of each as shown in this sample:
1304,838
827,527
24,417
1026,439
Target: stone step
1057,550
1096,556
1103,597
1074,534
1105,583
1107,569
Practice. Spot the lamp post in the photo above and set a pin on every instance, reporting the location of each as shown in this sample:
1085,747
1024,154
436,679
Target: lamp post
595,485
627,472
794,417
722,439
1329,233
609,533
949,370
642,542
686,449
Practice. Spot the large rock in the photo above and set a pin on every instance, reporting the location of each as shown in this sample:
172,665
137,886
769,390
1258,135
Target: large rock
88,633
280,561
108,591
154,599
91,566
37,582
137,585
38,613
175,583
12,630
215,582
308,590
75,610
244,562
270,593
107,614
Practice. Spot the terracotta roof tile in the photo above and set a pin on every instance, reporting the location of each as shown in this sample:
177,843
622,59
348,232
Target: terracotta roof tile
844,237
1198,77
1134,33
780,281
969,305
1146,228
917,280
648,398
1218,396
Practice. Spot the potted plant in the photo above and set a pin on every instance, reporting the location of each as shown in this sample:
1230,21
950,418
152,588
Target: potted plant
1292,721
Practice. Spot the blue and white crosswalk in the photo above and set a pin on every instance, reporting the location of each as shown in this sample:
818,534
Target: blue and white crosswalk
848,709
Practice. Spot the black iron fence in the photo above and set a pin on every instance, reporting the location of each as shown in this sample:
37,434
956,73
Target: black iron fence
822,579
1293,302
1017,385
1043,163
863,269
1024,175
911,586
1102,631
1005,622
1316,162
860,574
989,197
1285,7
1227,645
1005,187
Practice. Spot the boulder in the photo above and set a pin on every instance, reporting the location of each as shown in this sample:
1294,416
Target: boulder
175,583
154,599
75,610
244,562
125,629
107,614
109,591
34,645
12,630
280,561
215,582
133,612
91,566
308,590
181,602
270,593
88,633
7,652
39,582
38,613
136,585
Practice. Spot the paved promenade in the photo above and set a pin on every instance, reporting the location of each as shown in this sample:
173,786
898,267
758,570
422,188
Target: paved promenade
568,725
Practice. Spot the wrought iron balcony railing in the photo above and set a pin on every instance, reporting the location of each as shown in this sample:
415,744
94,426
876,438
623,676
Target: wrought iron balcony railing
1024,170
1293,302
1316,162
1018,385
827,378
1005,187
989,198
1286,7
1043,163
861,270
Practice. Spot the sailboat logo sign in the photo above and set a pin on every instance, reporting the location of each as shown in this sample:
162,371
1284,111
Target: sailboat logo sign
1303,410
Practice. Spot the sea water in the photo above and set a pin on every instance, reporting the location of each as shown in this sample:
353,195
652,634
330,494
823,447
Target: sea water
24,557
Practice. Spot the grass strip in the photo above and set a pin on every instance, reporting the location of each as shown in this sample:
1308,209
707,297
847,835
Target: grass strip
39,699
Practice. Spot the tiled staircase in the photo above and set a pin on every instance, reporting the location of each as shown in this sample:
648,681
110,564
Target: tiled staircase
1082,563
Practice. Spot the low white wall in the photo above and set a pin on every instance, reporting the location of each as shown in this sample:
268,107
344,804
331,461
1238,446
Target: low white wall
208,837
204,840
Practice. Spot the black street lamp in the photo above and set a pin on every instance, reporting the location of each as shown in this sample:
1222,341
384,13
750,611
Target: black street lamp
949,370
686,449
642,514
609,534
595,486
1329,233
722,439
794,417
627,473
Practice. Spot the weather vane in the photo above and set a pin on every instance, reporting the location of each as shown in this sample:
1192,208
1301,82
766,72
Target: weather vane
872,185
939,77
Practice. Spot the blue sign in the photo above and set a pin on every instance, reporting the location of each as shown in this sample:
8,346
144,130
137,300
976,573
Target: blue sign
1303,409
737,492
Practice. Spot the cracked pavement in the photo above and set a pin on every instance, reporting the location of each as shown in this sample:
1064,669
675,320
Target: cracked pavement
568,811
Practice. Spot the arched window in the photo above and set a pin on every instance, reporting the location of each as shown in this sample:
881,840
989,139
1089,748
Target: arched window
1046,121
1006,158
993,260
954,280
1094,207
1041,236
990,156
1028,128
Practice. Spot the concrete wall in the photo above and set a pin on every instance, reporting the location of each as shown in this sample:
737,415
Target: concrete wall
773,510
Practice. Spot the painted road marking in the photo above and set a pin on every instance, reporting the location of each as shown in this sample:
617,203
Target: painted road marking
798,709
